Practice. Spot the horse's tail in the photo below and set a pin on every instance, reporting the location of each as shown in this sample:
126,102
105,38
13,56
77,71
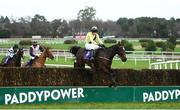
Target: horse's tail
74,50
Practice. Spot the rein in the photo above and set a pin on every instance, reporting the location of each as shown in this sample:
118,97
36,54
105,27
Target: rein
105,58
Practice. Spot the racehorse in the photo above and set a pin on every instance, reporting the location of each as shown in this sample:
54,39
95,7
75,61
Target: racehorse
40,61
15,61
102,59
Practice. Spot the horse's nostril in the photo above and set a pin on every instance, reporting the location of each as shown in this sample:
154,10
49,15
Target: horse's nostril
52,58
124,59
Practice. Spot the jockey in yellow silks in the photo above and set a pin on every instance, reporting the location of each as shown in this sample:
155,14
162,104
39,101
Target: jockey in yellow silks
92,39
93,42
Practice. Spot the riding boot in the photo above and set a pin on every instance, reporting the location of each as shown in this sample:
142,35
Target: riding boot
87,55
7,60
30,62
92,55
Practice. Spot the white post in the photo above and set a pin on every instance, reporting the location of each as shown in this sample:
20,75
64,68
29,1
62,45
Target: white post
165,65
150,66
156,66
57,54
135,61
160,66
65,58
171,66
177,65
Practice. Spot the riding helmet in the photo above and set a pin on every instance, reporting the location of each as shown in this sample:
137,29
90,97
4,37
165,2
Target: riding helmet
34,43
94,29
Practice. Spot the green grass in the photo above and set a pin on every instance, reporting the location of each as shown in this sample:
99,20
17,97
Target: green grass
59,45
116,63
110,105
129,64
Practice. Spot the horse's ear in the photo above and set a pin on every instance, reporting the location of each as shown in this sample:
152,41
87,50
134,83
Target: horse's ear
119,42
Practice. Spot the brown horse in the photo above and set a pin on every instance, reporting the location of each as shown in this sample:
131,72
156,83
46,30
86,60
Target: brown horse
40,61
102,59
15,61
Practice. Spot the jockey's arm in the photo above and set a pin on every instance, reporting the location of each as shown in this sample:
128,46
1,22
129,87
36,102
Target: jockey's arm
99,40
31,52
91,40
41,48
11,52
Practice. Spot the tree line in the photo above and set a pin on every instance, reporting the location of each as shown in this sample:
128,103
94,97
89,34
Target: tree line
144,27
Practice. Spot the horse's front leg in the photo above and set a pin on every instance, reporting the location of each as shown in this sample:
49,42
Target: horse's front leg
113,78
79,64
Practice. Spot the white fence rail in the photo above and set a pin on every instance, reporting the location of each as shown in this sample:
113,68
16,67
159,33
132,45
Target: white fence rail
133,55
165,65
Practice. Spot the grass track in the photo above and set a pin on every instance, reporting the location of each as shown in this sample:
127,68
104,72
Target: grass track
158,105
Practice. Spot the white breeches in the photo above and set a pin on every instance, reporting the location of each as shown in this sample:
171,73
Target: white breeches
10,54
89,46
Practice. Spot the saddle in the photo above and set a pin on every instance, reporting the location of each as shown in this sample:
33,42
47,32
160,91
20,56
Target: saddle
89,55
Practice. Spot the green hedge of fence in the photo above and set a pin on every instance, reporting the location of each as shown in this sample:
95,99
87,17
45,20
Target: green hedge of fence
85,77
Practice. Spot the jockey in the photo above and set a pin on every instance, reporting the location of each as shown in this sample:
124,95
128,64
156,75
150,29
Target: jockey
35,51
11,52
93,41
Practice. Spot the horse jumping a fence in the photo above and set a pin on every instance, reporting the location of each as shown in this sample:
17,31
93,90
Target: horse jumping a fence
15,61
102,59
40,61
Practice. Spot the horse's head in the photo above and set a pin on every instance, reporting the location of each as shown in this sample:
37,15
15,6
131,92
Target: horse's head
20,52
48,53
121,52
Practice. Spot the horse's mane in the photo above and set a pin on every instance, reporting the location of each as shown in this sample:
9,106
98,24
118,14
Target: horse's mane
74,50
45,47
105,48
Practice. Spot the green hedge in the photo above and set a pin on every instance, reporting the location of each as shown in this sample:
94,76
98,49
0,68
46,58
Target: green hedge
70,41
25,42
160,44
144,40
85,77
110,41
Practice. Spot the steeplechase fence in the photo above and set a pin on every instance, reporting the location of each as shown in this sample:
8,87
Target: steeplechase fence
57,85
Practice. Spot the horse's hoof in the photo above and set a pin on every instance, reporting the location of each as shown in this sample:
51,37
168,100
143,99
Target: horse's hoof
112,85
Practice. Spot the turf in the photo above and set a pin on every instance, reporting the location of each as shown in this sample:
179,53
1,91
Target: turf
110,105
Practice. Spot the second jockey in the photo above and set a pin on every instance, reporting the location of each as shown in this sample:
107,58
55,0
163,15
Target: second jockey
35,51
11,52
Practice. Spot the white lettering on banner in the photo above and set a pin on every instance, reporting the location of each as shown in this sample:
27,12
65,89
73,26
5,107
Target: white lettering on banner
66,93
171,93
31,97
177,93
14,99
39,94
55,94
161,95
22,97
44,95
80,93
74,93
157,96
7,98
